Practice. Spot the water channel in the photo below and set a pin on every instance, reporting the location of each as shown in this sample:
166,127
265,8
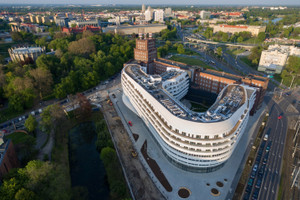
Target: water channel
88,174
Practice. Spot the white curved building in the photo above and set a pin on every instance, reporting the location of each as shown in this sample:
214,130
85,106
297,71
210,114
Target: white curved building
192,141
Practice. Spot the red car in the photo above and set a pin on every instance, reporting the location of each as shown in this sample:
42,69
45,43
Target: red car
280,117
130,124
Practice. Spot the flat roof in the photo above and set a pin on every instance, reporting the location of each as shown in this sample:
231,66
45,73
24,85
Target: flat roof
228,101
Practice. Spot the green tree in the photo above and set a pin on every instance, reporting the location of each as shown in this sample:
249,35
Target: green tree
83,47
240,39
24,194
261,36
180,49
31,123
219,51
42,80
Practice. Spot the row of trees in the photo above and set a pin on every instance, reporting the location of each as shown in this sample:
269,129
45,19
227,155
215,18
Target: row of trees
237,37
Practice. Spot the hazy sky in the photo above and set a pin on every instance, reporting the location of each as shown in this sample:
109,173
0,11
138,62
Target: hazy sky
165,2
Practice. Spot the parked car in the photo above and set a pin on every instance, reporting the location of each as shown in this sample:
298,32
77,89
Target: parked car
250,182
266,137
258,183
255,168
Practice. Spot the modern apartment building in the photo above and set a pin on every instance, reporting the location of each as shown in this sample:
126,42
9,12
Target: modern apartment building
193,141
274,59
159,15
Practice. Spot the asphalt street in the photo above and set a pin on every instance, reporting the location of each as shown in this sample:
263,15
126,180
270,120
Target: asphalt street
267,177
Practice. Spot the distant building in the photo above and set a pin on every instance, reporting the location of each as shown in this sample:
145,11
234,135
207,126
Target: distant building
274,59
143,8
148,14
8,157
168,12
80,29
23,53
61,21
159,15
83,23
38,19
205,14
254,30
128,30
32,18
29,28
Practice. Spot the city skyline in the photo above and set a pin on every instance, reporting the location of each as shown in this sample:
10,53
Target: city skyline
154,2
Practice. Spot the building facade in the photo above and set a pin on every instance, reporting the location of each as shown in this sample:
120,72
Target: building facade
204,14
23,53
159,15
254,30
275,57
198,142
8,156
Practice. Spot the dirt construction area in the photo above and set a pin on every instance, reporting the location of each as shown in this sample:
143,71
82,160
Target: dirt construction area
141,184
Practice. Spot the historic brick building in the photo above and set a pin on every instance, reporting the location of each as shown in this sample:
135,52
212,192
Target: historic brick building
8,157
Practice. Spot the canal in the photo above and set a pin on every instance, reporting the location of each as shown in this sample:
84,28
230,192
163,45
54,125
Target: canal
88,174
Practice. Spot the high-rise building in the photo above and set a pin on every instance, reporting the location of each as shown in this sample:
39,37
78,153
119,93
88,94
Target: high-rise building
205,14
145,50
159,15
143,8
148,14
168,12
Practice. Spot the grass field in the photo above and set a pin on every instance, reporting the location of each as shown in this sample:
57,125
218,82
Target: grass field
190,61
235,51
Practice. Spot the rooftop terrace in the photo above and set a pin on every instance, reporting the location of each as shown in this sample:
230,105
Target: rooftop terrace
229,100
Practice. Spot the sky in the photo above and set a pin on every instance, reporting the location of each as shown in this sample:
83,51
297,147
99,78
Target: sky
165,2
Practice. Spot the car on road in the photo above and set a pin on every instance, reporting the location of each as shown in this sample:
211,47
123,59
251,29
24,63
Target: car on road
258,183
250,182
280,117
266,137
246,196
130,123
255,167
265,160
261,171
255,194
269,146
248,188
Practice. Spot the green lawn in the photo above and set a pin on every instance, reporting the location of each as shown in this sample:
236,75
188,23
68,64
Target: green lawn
18,137
235,52
196,107
190,61
248,62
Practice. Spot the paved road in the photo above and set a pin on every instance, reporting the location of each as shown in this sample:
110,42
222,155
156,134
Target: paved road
276,128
